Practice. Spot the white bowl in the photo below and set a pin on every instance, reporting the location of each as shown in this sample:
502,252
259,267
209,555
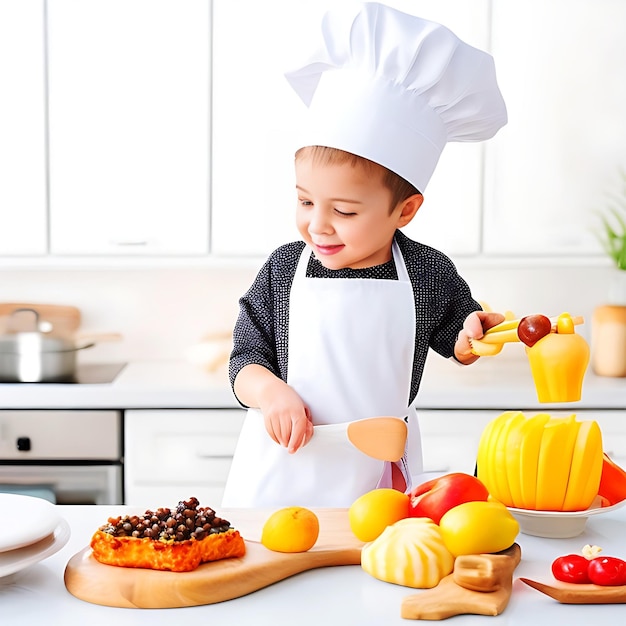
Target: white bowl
557,524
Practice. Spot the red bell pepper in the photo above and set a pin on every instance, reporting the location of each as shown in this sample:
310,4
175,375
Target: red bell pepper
435,497
612,481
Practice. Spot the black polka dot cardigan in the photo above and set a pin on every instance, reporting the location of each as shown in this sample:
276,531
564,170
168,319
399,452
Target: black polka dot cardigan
442,302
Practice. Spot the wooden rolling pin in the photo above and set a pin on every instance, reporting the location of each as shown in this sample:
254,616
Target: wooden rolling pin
480,584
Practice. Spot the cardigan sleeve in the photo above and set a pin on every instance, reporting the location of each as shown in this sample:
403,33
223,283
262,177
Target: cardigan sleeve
260,335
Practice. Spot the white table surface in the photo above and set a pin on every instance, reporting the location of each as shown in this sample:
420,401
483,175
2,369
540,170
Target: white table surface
337,595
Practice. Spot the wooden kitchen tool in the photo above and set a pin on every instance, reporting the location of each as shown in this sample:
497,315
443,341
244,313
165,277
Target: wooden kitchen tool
89,580
570,593
64,320
458,593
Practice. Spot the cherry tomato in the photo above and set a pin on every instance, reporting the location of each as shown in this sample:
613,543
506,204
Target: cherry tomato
532,328
571,568
607,571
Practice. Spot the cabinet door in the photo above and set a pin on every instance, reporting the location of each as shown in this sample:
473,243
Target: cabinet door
129,85
171,455
450,438
561,69
256,116
22,128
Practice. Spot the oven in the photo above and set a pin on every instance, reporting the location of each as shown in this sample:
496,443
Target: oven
65,456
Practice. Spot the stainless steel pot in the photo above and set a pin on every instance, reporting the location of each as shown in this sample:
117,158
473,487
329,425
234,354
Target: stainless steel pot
31,356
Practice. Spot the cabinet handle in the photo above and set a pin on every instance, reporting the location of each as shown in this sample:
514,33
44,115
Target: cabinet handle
200,455
23,444
129,242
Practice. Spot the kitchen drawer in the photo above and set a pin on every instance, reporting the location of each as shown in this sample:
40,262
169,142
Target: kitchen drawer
176,454
67,435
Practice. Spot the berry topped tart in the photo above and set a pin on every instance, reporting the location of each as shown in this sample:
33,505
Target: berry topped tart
178,540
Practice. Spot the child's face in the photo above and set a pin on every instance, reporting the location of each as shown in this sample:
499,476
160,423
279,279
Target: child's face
344,214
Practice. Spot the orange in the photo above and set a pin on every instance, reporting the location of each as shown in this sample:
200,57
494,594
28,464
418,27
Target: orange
371,513
292,529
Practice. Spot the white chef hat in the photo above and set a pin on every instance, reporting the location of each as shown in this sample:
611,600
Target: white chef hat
395,88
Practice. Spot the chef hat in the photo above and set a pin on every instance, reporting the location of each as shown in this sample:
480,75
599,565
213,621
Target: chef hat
395,88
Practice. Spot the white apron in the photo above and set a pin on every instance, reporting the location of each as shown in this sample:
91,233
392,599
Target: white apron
351,345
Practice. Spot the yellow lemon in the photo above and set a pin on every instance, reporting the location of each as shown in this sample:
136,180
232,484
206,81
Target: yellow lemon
292,529
372,512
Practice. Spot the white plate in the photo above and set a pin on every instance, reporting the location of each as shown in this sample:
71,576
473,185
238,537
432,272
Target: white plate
25,520
16,560
557,524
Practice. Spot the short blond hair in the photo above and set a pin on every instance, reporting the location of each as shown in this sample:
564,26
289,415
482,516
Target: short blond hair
400,188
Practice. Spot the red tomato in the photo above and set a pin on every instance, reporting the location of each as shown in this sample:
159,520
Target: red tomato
571,569
607,571
436,497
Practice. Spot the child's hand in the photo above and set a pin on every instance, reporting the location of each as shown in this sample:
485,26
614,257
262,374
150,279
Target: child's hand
287,418
474,326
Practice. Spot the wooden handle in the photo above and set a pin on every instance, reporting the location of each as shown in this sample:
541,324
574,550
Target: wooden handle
449,598
580,594
98,337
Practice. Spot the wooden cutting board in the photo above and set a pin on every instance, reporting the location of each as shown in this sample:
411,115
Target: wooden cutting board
65,319
89,580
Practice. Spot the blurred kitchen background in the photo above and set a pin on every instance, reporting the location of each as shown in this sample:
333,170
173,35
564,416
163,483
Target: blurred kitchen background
146,152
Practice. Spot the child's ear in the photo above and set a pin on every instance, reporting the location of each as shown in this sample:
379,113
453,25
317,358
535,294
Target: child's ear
409,208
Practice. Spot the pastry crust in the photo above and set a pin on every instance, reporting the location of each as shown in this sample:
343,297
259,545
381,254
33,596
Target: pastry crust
177,540
176,556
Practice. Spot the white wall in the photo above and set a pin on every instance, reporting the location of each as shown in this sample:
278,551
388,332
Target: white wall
159,312
163,312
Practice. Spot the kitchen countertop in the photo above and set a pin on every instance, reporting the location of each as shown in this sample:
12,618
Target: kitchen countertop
336,595
501,382
142,384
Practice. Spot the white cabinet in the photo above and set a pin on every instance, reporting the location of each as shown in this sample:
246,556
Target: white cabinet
450,437
613,427
129,89
22,128
171,455
561,70
256,116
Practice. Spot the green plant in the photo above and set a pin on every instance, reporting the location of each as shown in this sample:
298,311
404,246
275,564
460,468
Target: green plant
613,235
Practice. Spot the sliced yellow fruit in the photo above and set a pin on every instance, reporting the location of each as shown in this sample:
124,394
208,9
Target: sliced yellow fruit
500,456
513,448
501,336
507,324
529,458
555,458
494,481
484,459
480,348
586,468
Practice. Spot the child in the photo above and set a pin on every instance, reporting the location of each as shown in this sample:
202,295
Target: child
337,327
